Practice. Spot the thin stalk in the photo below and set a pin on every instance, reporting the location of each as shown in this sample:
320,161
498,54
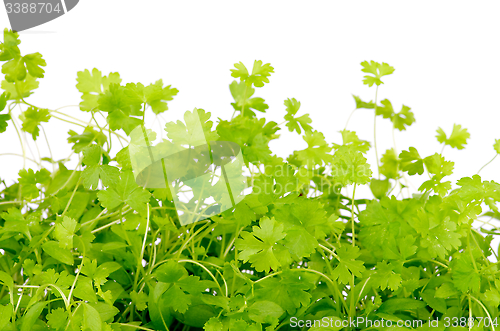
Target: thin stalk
485,310
375,132
71,197
442,149
20,155
20,139
352,217
487,163
244,100
349,118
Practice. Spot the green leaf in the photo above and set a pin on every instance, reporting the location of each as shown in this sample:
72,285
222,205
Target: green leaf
317,151
348,265
296,123
34,63
400,304
179,300
103,271
7,280
20,89
437,304
445,291
92,85
32,315
290,291
32,118
379,187
411,162
106,311
259,76
5,315
91,318
157,96
54,250
15,222
386,111
126,191
14,70
403,119
9,49
265,312
349,166
213,324
57,318
458,137
140,300
390,164
361,104
377,71
85,139
465,276
189,131
85,290
4,97
496,146
29,179
170,272
65,231
242,95
261,247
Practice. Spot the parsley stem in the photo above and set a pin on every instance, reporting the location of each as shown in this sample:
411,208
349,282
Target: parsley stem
375,132
349,118
352,216
20,139
71,197
244,100
50,150
485,310
135,326
487,163
20,155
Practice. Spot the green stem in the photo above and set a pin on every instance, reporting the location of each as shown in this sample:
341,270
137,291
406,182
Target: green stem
487,163
20,155
352,217
20,139
349,118
375,133
244,100
485,310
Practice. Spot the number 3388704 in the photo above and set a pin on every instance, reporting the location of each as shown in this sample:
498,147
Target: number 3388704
32,8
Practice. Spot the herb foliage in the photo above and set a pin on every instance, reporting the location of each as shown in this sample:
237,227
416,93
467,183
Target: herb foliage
86,248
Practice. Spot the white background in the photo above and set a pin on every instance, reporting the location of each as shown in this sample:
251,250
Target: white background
445,53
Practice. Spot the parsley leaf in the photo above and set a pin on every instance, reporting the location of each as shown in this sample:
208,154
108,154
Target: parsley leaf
4,117
458,137
259,76
377,70
126,191
261,247
348,264
362,104
244,100
296,123
32,118
411,162
92,84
